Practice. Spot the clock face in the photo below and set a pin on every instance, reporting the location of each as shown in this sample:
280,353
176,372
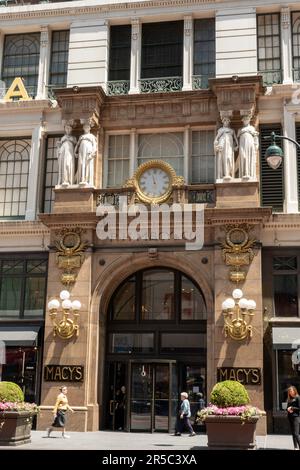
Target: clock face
154,182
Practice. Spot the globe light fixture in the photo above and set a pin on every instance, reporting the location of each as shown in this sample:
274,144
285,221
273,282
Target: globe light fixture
274,154
65,327
238,314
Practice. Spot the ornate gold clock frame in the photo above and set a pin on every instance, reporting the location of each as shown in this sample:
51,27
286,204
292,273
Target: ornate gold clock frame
134,182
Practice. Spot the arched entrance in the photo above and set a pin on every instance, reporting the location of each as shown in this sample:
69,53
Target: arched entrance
156,347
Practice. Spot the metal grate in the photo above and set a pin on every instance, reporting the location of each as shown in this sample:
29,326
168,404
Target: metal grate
271,181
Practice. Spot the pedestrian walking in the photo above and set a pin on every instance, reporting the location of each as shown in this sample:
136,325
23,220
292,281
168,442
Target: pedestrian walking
183,418
293,413
59,412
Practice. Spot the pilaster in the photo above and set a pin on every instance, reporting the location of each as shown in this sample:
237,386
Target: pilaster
290,163
135,56
43,63
132,151
186,146
188,43
1,50
286,45
34,170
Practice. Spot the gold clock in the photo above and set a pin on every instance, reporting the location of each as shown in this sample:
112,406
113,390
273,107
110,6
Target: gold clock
153,181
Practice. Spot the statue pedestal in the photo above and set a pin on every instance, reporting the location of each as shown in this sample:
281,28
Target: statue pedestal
74,199
237,193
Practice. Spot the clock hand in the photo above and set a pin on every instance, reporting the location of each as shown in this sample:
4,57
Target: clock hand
154,181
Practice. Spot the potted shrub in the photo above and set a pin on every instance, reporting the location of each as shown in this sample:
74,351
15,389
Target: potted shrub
15,415
230,420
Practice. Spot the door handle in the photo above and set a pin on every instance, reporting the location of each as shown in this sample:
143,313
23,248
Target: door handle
111,407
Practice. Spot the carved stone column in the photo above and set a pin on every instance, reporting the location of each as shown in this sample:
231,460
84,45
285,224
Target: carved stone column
135,59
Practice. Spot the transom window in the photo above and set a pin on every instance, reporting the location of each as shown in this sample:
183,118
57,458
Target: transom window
158,295
21,59
14,168
22,287
167,147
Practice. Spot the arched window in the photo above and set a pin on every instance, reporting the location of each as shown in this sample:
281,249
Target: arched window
14,168
21,59
167,147
158,294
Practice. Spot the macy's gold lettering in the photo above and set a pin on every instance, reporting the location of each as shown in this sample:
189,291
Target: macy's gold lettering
244,375
57,373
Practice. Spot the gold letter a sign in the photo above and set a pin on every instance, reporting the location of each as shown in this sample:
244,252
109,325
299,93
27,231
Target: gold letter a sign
17,91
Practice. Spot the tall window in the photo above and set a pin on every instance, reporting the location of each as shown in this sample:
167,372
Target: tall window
272,184
268,47
285,286
119,52
118,160
204,51
21,59
59,58
14,168
51,172
162,48
22,286
167,147
203,157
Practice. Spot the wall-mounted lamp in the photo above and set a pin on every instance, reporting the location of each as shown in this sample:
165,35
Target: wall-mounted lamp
238,313
66,327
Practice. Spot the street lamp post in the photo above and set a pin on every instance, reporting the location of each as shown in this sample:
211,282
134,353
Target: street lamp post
274,154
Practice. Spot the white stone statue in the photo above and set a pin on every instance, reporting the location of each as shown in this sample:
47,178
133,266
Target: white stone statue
225,144
66,158
86,149
248,147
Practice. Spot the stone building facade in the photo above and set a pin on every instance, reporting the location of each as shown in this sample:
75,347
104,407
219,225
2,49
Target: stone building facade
154,80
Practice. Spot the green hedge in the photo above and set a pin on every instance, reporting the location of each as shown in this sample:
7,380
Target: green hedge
229,393
9,391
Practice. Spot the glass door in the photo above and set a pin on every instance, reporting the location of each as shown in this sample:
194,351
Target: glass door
153,396
116,410
141,397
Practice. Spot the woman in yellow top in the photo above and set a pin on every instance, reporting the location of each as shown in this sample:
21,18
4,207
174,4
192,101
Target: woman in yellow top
59,412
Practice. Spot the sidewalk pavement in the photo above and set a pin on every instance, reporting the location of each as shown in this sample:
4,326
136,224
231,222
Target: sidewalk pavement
108,440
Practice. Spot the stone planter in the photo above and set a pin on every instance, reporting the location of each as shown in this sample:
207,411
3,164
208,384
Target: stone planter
230,432
15,427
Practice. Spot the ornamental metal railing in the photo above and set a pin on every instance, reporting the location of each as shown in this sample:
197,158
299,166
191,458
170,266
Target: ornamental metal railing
296,75
193,194
200,82
118,87
160,84
271,77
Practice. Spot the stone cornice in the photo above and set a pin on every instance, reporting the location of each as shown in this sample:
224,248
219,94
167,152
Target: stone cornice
255,215
29,105
23,227
45,11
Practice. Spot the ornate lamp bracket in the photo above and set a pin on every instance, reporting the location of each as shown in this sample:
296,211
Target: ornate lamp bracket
237,250
69,256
